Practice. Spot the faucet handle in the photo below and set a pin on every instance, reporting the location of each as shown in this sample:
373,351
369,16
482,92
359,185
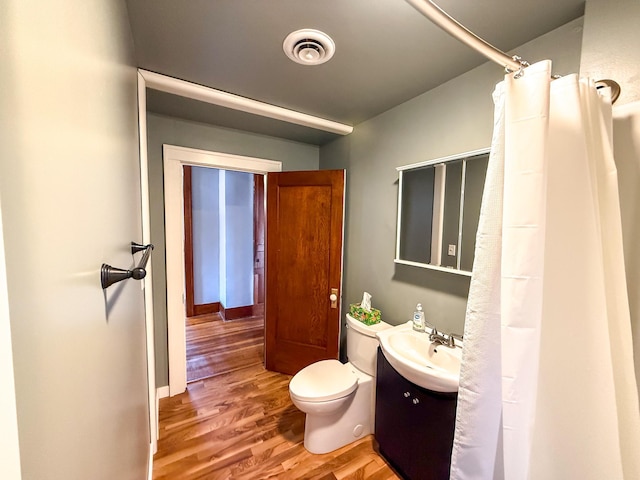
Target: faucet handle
452,339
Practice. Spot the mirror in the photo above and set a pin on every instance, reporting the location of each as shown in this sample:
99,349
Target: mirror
438,211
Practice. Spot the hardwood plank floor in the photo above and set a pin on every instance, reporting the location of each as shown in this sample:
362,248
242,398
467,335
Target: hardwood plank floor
240,424
215,346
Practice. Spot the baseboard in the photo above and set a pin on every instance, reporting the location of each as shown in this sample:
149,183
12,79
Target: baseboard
246,311
206,308
162,392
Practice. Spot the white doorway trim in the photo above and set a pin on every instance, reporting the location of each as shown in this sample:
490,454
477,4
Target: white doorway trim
174,158
146,284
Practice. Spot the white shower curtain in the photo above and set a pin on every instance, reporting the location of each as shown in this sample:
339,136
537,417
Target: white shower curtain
547,387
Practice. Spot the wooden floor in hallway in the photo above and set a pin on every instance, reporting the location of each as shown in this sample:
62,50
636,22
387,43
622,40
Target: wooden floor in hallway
240,424
215,346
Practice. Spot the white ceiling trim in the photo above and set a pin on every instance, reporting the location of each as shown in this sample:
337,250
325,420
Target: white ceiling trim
194,91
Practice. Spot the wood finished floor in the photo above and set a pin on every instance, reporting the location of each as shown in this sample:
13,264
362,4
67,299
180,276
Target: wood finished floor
240,424
215,346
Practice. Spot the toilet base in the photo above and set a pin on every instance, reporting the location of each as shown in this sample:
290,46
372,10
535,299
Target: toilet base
326,433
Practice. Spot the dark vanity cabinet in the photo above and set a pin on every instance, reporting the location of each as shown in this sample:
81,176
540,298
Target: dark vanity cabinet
414,426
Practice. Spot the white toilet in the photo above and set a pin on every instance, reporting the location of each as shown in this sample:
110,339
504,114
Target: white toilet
339,399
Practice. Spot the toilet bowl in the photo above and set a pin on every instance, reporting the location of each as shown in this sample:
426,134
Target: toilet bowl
339,399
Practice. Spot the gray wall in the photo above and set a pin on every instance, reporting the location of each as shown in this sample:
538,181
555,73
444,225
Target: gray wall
70,188
611,49
453,118
161,130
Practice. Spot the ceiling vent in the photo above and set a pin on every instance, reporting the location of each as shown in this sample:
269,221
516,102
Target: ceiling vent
309,47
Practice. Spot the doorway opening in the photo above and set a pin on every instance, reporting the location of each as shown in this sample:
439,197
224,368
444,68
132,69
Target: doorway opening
174,159
303,252
224,270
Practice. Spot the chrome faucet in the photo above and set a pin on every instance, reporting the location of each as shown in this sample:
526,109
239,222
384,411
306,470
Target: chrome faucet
437,338
443,339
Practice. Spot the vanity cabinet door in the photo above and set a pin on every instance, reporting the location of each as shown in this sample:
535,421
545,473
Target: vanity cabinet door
414,426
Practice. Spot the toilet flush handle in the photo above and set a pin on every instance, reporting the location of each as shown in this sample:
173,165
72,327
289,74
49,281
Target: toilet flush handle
334,298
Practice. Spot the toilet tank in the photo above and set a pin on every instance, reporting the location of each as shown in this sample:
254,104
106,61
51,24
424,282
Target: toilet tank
362,344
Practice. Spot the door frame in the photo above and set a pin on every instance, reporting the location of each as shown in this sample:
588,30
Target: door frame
174,158
146,284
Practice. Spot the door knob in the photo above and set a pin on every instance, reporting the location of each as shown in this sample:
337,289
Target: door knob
334,298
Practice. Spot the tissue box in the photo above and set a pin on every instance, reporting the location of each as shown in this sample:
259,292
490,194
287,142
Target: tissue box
368,318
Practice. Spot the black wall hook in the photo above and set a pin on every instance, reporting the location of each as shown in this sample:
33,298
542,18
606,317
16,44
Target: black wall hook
110,275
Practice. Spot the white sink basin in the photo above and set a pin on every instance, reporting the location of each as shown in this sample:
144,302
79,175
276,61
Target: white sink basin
429,365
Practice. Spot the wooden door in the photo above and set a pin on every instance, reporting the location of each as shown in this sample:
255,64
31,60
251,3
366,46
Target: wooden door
304,267
189,299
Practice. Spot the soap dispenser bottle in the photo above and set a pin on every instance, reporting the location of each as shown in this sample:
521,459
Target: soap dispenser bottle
418,319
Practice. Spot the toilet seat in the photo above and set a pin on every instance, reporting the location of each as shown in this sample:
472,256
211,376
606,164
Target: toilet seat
323,381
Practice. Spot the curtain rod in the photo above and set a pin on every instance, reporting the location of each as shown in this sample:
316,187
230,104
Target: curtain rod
511,64
450,25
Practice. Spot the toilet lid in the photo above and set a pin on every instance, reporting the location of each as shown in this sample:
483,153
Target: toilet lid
322,381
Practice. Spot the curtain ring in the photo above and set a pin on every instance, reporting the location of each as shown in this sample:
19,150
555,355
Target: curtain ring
613,85
523,64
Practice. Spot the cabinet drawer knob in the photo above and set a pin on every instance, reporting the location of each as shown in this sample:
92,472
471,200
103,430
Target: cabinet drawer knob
406,394
416,401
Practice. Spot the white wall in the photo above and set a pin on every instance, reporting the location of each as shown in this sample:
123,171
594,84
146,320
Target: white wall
611,49
222,192
627,155
611,45
70,194
206,235
237,246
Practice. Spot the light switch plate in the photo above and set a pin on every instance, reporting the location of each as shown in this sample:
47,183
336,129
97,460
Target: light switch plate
452,250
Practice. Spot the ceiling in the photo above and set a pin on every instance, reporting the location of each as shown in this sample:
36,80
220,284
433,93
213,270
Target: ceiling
386,53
